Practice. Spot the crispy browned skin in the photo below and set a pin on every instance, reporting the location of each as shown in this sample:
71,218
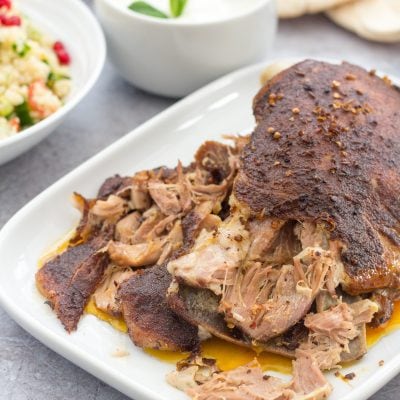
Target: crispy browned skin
69,279
213,157
113,185
151,323
335,158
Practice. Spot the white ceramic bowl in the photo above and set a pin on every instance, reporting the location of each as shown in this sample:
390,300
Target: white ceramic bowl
73,23
173,57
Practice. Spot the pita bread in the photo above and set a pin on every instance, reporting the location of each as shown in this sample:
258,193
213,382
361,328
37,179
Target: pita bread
296,8
377,20
274,69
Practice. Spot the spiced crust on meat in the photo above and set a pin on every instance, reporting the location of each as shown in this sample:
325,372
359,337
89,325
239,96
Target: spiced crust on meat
335,160
69,279
113,185
151,323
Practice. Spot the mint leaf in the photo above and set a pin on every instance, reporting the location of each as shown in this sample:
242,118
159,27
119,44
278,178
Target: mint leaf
144,8
177,7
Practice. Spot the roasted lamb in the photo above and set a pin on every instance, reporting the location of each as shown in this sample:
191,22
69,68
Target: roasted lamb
287,241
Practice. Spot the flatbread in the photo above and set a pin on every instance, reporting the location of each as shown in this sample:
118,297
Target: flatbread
274,69
297,8
377,20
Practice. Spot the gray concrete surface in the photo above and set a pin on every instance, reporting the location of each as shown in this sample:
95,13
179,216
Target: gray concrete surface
28,370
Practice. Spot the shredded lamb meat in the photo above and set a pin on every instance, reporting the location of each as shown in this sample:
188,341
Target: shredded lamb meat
192,371
215,257
135,222
332,330
250,383
105,296
266,286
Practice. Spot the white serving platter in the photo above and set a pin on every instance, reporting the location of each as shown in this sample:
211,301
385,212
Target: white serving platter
223,107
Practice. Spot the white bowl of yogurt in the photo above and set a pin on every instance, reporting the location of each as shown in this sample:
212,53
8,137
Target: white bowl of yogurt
173,57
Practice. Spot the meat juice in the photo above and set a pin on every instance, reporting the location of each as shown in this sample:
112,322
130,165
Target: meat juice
375,334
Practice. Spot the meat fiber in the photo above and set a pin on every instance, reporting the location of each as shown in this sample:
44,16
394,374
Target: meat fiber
108,211
333,330
172,198
266,287
265,303
192,371
250,383
215,257
126,227
105,296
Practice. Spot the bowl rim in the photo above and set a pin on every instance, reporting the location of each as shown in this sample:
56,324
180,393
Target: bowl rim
179,22
81,92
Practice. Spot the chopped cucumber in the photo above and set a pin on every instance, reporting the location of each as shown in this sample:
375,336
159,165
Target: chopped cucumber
6,108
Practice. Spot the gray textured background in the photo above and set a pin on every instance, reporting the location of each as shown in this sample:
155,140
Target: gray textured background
28,370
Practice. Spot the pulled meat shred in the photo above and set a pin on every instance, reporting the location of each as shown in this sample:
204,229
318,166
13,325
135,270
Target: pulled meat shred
105,296
332,330
215,257
192,372
250,383
330,334
267,271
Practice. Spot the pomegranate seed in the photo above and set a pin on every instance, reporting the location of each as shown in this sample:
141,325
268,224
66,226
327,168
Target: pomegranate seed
61,52
5,3
63,57
58,46
14,20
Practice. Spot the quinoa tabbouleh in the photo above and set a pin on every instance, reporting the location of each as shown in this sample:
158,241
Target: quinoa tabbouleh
34,73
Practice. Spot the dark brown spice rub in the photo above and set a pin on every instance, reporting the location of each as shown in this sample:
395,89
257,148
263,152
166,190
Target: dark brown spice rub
343,154
69,279
151,323
113,185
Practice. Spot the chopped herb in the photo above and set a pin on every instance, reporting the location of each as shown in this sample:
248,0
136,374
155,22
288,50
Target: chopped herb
22,112
144,8
53,77
177,7
21,48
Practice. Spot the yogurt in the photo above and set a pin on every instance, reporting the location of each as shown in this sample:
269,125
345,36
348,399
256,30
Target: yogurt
206,10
